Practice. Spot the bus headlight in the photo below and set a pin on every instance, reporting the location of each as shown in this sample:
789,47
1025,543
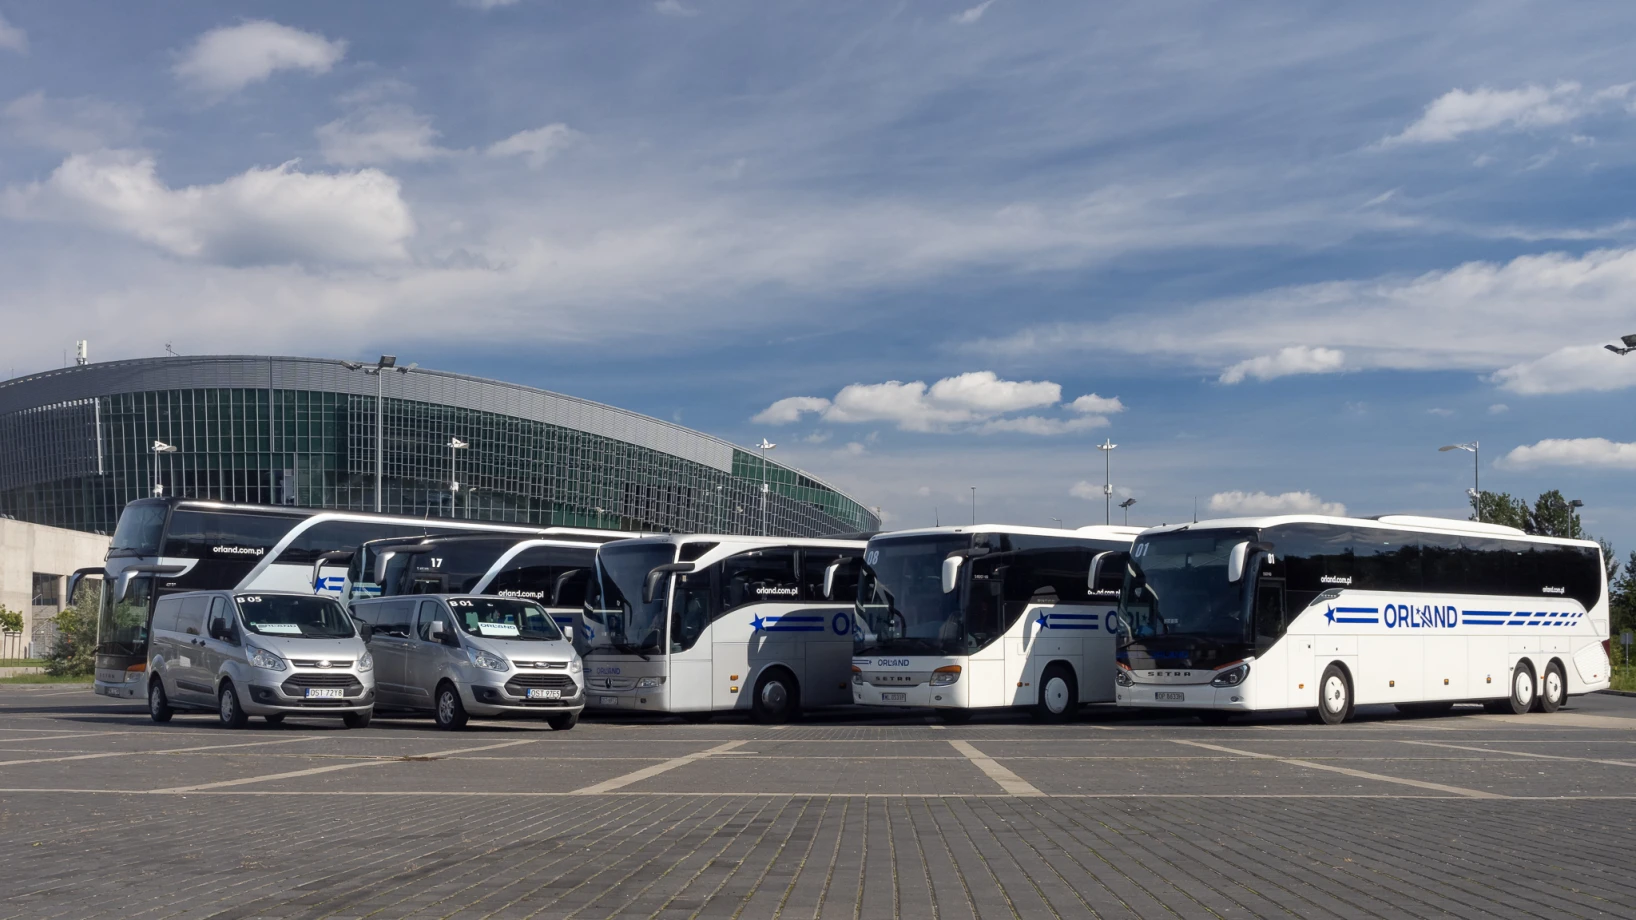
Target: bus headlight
945,675
1231,677
366,662
857,676
262,658
649,683
1121,676
488,662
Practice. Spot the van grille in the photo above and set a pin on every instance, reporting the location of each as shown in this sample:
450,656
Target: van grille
298,684
521,682
334,664
543,665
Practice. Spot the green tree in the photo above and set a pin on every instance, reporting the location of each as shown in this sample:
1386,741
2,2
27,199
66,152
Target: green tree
73,653
1500,508
10,620
1622,599
1554,517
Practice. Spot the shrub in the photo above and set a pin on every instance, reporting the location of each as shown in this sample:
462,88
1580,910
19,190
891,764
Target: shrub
74,652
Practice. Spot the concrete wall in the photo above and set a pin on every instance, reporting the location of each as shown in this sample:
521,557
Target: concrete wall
29,548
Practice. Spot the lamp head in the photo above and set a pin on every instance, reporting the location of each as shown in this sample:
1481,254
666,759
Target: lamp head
1629,340
1576,503
351,365
387,361
1127,503
765,445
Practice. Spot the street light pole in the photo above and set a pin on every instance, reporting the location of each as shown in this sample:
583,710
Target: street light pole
1476,471
454,484
1126,505
159,447
1106,447
764,446
386,363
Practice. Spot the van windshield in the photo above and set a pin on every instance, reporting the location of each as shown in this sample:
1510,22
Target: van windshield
504,618
294,616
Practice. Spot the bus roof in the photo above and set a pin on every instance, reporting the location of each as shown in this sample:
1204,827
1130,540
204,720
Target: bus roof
1095,532
1417,523
740,539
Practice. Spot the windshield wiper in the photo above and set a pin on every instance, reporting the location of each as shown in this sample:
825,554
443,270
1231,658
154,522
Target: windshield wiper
625,648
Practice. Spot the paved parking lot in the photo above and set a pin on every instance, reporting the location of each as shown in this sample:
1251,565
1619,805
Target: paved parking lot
103,813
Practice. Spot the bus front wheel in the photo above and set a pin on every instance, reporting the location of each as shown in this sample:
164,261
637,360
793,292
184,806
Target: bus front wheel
1553,691
777,698
1059,695
1334,696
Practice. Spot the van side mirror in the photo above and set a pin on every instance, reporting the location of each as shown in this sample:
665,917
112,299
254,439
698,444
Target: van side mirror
434,631
657,576
568,633
365,631
951,573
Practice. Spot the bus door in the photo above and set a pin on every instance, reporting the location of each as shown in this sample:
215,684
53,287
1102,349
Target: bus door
1269,622
690,651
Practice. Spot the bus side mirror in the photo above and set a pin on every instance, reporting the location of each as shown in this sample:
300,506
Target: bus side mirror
1239,557
951,573
656,577
829,575
1096,571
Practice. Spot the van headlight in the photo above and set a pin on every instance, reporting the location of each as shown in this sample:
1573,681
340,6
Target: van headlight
945,675
488,662
576,665
262,658
1231,677
366,662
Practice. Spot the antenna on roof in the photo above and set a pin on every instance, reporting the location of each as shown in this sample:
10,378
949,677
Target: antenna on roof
1195,509
936,521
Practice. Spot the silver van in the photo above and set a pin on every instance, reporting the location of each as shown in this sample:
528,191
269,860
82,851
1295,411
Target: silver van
463,655
265,653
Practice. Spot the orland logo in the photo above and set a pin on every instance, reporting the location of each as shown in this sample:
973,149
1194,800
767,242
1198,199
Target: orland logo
1335,580
239,550
764,591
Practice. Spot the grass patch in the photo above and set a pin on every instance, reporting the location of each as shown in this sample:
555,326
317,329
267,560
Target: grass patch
1624,679
45,679
22,662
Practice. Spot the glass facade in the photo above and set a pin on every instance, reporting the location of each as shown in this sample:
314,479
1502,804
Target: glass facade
532,456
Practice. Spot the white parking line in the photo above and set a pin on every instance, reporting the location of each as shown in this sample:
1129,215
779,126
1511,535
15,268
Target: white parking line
658,768
1348,771
268,777
208,747
1005,779
1466,747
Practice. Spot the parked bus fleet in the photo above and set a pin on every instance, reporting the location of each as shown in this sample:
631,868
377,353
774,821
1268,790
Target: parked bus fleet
269,611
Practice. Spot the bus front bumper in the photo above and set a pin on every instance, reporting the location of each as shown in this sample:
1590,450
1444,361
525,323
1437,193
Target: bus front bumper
121,685
1184,696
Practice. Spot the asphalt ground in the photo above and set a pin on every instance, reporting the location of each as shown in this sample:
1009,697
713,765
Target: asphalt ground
845,814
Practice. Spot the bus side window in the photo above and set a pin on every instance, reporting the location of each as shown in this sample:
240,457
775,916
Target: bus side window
763,576
814,562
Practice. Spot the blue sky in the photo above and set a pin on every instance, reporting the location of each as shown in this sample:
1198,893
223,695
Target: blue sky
1277,252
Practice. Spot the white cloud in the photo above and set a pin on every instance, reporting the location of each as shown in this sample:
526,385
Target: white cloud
790,409
1090,491
228,59
1568,370
67,125
379,133
1092,404
537,146
261,216
1442,413
984,393
854,449
1498,409
1459,112
1294,359
1598,453
1047,427
674,8
12,38
968,16
1248,504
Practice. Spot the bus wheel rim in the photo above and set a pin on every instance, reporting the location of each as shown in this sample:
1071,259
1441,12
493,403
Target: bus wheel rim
1525,687
1335,694
1553,687
1056,694
773,695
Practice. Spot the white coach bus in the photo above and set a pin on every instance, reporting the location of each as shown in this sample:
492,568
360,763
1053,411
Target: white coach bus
1324,614
989,616
695,624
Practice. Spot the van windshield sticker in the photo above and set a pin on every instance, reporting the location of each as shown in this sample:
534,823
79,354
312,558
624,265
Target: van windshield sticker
286,629
498,629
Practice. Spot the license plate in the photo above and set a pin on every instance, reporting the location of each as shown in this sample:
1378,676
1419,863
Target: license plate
545,694
323,693
1169,696
607,701
894,697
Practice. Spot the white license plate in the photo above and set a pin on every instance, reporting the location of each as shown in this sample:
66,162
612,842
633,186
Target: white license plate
1169,696
323,693
545,694
894,697
607,701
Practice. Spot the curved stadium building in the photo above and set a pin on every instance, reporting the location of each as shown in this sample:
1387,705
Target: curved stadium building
303,431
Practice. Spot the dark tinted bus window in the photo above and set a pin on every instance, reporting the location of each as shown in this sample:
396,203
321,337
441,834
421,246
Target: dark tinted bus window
329,536
816,561
1386,560
1446,564
1571,571
1521,568
553,576
140,527
1314,558
763,576
215,535
1041,576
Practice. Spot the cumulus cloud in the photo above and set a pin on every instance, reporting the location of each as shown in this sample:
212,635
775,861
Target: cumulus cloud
968,16
536,146
977,401
1295,359
261,216
790,409
12,38
1597,453
67,125
1260,503
1459,112
379,133
228,59
1568,370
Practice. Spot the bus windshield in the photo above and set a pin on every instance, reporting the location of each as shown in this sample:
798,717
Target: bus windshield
504,618
140,530
1177,586
901,607
122,624
614,597
294,615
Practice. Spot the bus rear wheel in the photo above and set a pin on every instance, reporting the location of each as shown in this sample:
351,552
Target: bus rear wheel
1553,690
1059,695
777,698
1523,689
1334,696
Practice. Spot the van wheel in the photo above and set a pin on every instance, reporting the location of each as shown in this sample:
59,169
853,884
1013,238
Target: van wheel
1523,689
158,704
451,712
228,708
777,698
1553,691
276,718
1059,695
354,719
562,721
1334,696
953,716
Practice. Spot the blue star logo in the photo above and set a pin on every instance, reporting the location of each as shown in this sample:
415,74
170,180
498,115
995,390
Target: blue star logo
758,623
1329,614
1041,622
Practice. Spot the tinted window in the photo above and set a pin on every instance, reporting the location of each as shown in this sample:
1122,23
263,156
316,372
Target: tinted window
762,576
323,537
1489,569
390,618
1003,585
692,608
504,618
1313,558
191,618
140,527
429,611
218,616
555,576
294,615
816,561
165,613
1386,560
1445,564
217,535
